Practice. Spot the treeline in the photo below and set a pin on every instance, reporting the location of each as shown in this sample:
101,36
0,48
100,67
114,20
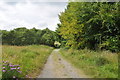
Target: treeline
94,25
23,36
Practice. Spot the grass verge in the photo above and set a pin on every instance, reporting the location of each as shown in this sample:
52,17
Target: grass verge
102,64
30,58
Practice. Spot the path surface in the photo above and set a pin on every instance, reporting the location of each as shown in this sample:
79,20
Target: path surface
57,67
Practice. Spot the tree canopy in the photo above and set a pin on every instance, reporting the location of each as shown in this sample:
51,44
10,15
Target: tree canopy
24,36
94,25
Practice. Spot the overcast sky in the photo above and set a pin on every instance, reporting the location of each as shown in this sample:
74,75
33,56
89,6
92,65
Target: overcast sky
30,14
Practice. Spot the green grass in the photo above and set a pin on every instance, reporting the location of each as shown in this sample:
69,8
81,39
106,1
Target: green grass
30,58
101,64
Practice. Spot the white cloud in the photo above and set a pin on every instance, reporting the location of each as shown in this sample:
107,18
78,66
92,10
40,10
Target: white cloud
40,15
36,0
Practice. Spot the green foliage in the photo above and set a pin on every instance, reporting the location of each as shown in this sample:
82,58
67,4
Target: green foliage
23,36
92,25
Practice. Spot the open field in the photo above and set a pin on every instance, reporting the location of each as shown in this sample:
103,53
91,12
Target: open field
30,58
103,64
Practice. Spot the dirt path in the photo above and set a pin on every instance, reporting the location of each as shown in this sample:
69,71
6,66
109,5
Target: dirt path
57,67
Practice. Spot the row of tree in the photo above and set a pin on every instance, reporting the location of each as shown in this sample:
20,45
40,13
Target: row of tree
23,36
95,25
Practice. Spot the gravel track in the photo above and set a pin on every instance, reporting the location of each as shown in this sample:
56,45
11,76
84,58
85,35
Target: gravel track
57,67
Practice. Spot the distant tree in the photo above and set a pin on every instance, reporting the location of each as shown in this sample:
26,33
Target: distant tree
23,36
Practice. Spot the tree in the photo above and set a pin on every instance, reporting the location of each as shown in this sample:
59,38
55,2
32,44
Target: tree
90,25
23,36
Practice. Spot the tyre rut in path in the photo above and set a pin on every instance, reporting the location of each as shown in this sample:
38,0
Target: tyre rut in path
57,67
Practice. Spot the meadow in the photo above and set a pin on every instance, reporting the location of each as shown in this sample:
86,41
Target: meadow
30,59
97,64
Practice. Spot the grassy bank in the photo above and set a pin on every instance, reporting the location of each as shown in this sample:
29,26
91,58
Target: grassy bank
102,64
30,58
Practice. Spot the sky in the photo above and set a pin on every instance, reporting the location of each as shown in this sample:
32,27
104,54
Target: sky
39,14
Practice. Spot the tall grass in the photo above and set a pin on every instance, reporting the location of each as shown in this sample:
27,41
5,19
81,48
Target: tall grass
30,58
102,64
